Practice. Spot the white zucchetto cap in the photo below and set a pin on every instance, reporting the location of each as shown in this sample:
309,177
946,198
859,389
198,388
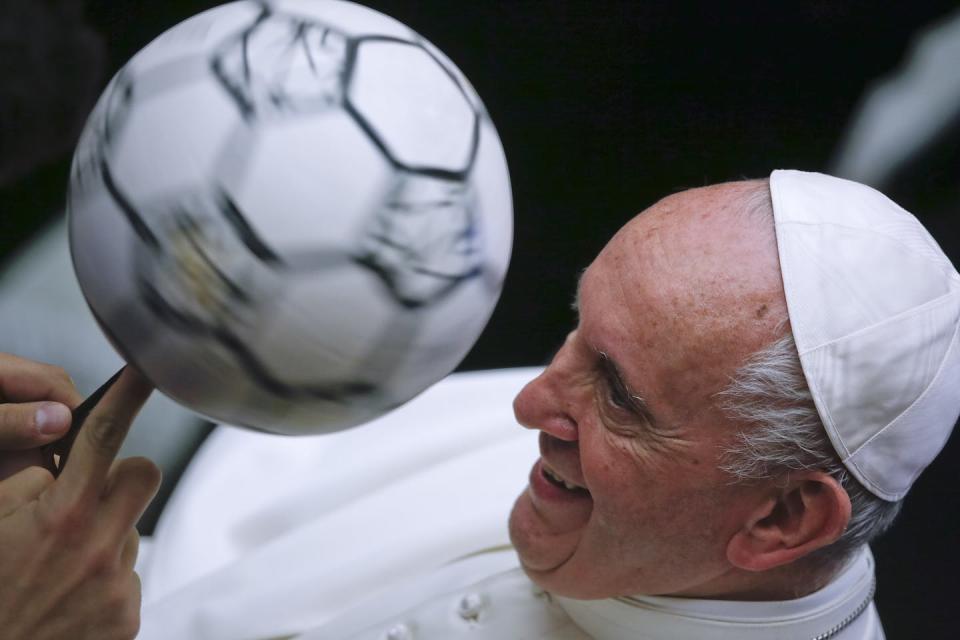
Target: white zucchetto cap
874,306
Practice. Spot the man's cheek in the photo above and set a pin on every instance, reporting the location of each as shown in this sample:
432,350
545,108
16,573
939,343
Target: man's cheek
615,471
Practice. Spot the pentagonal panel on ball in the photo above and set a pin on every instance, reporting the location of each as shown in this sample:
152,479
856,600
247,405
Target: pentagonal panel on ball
422,241
411,106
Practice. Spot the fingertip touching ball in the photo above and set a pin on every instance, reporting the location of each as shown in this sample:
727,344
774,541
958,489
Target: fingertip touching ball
291,216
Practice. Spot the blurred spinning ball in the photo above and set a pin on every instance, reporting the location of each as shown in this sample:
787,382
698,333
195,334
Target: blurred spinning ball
291,216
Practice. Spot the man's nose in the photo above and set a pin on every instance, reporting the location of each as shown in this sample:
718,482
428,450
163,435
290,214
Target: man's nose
542,404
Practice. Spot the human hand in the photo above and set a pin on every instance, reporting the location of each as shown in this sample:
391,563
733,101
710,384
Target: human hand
68,546
35,411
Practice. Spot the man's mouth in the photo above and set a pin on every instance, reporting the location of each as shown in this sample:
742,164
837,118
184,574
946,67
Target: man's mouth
559,481
551,506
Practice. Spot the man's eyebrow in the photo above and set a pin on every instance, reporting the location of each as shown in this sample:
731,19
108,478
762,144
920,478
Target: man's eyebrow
611,372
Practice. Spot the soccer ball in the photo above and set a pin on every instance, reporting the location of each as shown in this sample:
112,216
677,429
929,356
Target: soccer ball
291,216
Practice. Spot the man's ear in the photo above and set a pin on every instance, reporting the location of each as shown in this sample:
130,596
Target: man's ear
811,512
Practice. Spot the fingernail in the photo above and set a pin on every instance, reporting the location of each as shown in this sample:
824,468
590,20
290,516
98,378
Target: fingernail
52,418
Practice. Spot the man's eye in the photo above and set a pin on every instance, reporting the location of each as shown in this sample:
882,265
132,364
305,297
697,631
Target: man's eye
613,392
619,399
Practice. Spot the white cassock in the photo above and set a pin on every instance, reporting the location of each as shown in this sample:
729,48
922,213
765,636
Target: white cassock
397,531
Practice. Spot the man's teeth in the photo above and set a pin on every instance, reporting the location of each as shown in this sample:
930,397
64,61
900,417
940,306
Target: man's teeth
553,476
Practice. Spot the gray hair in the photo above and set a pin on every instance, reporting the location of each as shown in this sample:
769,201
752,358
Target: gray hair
784,433
769,393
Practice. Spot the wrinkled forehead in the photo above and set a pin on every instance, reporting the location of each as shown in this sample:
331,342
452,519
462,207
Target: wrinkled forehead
701,246
693,279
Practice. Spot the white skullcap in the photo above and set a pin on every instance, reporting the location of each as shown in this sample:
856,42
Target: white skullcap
874,305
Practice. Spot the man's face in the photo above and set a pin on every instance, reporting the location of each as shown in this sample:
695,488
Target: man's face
669,309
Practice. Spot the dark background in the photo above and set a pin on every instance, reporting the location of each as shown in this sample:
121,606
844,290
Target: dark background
603,107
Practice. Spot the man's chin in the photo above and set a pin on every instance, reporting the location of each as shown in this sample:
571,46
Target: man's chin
541,551
564,580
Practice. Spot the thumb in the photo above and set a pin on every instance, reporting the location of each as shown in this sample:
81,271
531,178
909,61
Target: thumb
28,425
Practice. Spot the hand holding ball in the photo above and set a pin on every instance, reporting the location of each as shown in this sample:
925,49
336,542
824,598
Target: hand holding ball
291,216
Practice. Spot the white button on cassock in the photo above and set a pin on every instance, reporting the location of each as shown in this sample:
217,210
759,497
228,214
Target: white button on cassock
399,632
470,607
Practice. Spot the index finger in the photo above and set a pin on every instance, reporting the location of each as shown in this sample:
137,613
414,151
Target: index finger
102,433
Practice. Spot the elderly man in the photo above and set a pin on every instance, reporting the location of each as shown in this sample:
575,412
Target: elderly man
760,371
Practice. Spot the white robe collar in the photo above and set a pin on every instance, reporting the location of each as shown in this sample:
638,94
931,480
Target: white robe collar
819,614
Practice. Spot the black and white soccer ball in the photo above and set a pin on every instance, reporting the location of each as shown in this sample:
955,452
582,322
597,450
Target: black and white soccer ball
292,215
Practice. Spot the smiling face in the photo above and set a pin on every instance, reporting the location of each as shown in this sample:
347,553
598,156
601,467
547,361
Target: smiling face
677,300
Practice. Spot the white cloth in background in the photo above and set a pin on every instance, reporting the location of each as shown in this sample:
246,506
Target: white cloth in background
269,535
397,530
907,110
